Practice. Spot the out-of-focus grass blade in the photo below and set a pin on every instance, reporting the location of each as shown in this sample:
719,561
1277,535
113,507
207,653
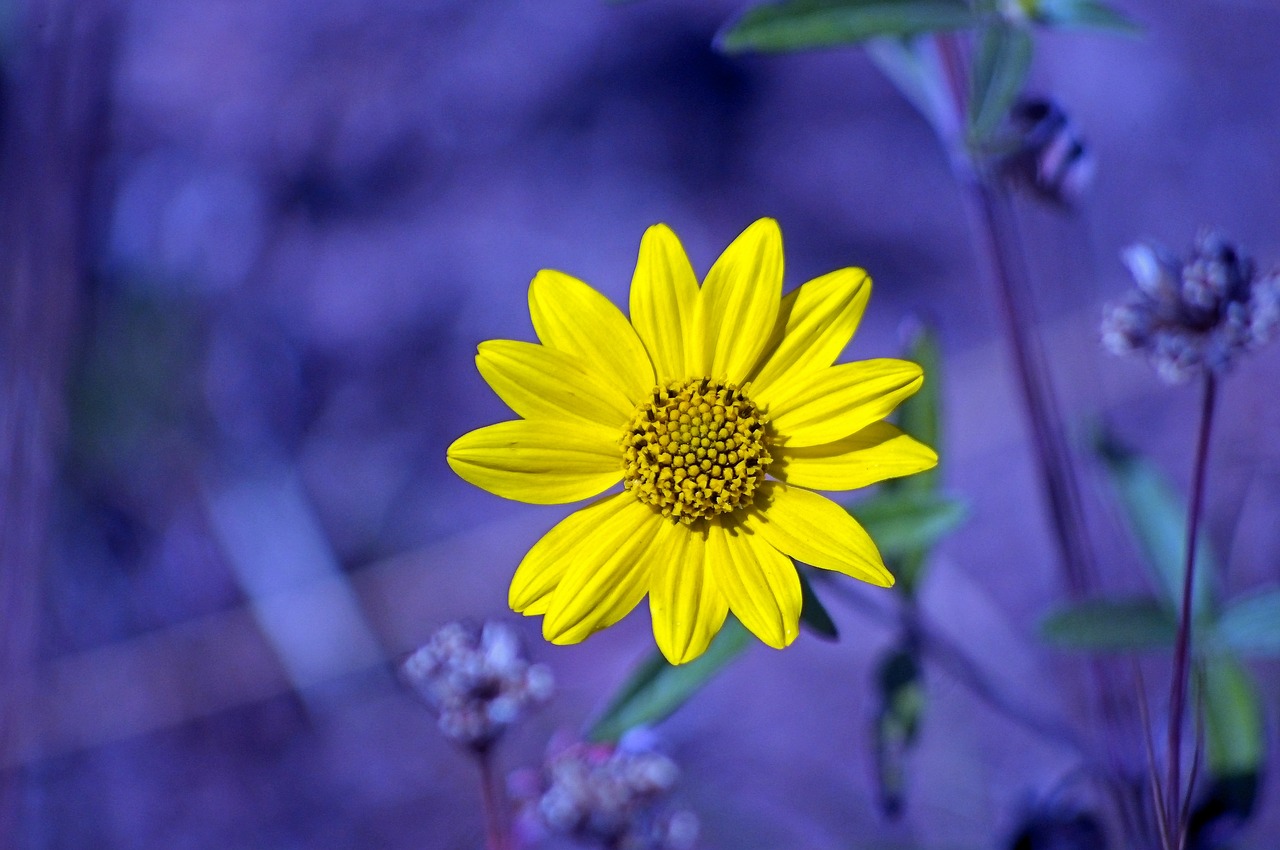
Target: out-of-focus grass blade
805,24
1251,626
1158,519
903,522
1111,626
1233,718
1085,14
999,72
814,615
656,689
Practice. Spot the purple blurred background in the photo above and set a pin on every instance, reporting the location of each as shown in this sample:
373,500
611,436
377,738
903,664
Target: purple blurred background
295,222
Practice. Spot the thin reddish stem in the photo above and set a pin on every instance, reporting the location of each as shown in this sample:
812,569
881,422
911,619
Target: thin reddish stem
1182,652
496,836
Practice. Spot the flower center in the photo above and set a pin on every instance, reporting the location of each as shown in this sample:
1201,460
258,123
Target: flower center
698,449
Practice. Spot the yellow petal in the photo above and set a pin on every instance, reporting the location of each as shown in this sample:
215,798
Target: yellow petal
759,582
572,317
816,531
540,461
739,302
664,301
608,574
542,383
877,452
833,403
687,607
815,323
541,570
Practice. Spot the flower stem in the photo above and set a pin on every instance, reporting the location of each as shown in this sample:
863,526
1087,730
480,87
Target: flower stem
993,222
1182,651
494,816
964,668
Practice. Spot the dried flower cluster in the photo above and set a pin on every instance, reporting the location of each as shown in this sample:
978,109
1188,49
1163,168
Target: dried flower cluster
1194,316
611,797
477,681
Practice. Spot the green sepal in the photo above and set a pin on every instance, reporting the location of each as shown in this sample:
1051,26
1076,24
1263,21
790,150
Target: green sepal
813,614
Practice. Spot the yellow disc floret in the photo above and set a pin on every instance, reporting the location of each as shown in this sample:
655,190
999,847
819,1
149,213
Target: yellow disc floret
699,448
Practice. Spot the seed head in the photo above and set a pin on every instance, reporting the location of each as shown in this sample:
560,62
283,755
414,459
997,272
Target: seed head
612,797
477,681
1196,315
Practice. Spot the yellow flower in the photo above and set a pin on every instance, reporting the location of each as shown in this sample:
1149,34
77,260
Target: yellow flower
718,408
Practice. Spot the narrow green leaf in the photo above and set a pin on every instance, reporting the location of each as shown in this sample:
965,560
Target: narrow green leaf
1251,625
1084,14
999,73
1158,519
806,24
657,689
1233,718
1111,626
921,414
813,614
902,523
914,66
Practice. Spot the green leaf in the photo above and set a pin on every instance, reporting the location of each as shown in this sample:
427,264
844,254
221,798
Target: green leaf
806,24
1251,625
920,415
1232,716
656,689
813,614
902,523
1111,626
1084,14
1158,519
914,66
999,73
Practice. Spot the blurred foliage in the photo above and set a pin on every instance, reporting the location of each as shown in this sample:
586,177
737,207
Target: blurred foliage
807,24
894,32
656,688
1157,517
900,682
909,516
1103,625
1079,14
131,384
1000,69
1249,626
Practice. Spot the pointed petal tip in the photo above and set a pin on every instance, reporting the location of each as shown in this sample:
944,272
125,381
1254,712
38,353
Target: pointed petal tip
558,638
